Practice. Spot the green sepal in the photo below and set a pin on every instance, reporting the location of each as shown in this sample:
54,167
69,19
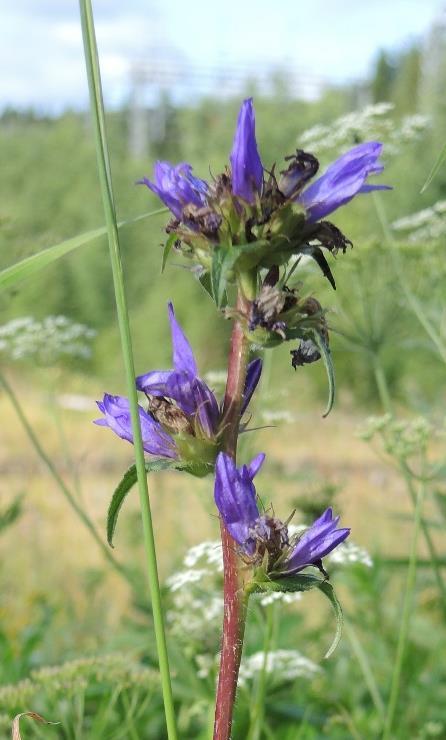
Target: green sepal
130,477
166,251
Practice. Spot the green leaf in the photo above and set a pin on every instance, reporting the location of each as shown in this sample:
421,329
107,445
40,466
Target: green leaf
130,477
11,513
223,260
28,266
328,362
301,582
328,590
166,251
438,163
205,281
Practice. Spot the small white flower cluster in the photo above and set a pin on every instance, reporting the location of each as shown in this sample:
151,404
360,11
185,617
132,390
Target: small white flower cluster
426,225
207,553
276,416
285,598
400,438
348,553
45,341
370,123
281,665
197,609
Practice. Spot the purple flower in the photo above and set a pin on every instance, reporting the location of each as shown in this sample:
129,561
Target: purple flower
344,178
246,165
236,499
318,540
259,534
116,410
177,187
183,411
184,386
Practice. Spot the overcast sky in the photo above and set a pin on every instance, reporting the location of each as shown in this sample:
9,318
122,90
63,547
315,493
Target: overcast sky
322,40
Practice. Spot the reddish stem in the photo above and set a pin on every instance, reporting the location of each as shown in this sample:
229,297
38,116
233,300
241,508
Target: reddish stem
234,610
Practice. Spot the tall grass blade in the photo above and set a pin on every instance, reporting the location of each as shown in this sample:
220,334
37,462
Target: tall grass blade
103,160
28,266
437,165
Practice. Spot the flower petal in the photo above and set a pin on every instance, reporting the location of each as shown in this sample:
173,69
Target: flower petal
246,165
253,374
235,497
116,410
183,357
343,179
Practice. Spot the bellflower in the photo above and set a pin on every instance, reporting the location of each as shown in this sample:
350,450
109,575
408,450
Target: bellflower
246,165
259,535
343,179
116,410
183,417
177,187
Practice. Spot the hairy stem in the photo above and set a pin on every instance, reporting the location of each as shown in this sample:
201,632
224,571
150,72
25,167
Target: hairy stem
234,599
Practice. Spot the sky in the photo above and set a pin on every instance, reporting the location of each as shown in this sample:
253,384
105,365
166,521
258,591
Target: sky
196,46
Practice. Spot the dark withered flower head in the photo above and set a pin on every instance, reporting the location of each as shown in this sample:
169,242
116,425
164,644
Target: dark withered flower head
263,540
267,218
183,418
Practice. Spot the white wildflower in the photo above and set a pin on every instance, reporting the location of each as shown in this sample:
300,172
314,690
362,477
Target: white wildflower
283,596
281,665
274,416
45,341
184,577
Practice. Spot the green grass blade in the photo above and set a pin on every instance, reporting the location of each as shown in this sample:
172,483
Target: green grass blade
28,266
104,170
437,165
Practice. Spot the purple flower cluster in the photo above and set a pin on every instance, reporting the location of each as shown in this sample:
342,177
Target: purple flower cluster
343,180
258,534
181,404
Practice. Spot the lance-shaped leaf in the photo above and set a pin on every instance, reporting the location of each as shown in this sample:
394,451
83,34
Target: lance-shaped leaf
130,477
304,582
328,591
328,363
28,266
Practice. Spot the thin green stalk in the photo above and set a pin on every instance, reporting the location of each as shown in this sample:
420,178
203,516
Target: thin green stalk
411,299
364,664
426,533
258,707
70,497
383,391
98,119
405,619
381,384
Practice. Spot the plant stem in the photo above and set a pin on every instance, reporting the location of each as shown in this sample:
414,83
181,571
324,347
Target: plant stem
366,669
258,708
411,299
383,392
234,614
405,620
104,168
70,497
